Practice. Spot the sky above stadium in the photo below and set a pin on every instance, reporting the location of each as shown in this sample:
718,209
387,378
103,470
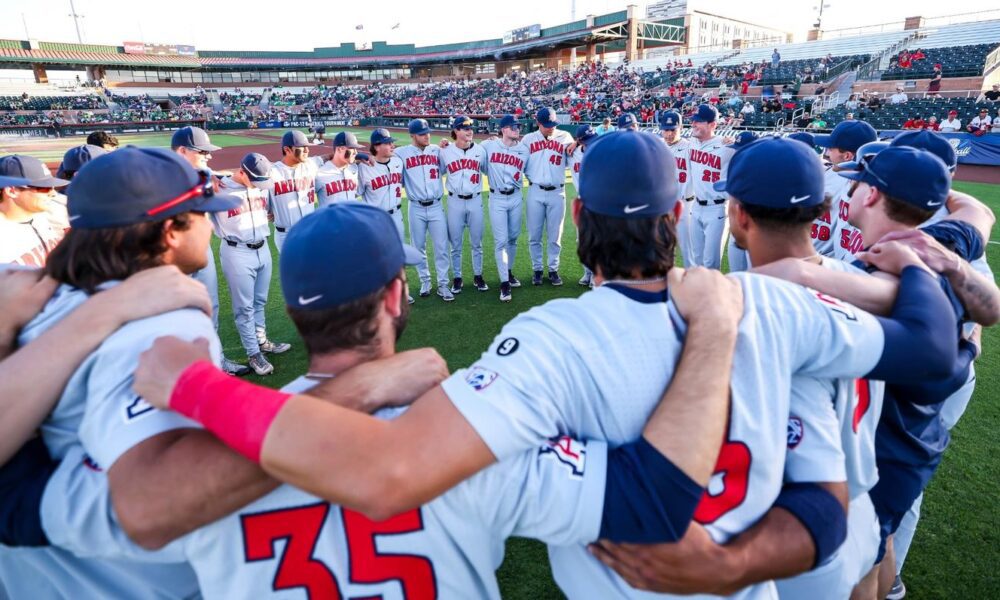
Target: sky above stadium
306,24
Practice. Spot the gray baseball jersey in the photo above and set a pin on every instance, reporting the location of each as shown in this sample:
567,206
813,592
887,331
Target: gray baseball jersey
247,222
562,367
464,169
574,166
336,184
680,150
27,243
546,163
708,162
294,193
822,233
422,172
505,164
382,185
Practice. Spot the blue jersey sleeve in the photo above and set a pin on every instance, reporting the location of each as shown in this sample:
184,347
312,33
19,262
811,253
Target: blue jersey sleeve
22,482
959,237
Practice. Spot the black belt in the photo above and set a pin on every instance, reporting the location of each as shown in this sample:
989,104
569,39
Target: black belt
251,245
504,192
426,203
281,229
707,202
689,198
464,196
392,210
547,188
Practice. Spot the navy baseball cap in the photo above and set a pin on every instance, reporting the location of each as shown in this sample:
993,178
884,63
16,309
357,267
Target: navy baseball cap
584,133
381,136
294,139
649,190
932,142
341,253
847,136
864,153
194,138
510,121
346,139
21,167
75,158
135,185
12,181
257,167
706,113
626,120
912,175
546,117
744,139
670,120
418,127
805,138
461,122
775,172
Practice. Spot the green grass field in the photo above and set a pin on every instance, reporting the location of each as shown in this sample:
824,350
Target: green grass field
956,547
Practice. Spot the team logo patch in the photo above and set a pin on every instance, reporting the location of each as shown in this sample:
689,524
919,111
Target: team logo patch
796,431
480,378
137,408
568,452
90,464
962,147
835,305
508,346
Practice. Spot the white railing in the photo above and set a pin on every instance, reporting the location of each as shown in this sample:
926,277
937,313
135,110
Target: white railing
991,61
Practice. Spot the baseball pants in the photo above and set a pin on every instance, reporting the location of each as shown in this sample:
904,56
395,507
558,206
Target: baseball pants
397,219
505,218
462,214
430,218
248,273
708,229
739,259
279,239
546,212
953,409
210,279
684,233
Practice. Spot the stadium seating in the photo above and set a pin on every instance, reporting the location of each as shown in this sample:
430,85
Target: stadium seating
86,101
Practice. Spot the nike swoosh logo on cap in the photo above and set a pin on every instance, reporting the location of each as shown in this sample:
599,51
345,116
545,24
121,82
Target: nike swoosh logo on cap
634,209
796,199
934,204
74,217
306,301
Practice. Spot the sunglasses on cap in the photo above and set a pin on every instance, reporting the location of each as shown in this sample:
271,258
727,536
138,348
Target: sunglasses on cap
864,164
203,188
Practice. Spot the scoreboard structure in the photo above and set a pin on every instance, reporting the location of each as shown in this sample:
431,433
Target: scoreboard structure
522,33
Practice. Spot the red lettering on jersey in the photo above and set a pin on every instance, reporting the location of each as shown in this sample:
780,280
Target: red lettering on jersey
682,164
576,168
466,164
733,467
343,185
383,180
851,240
706,158
421,160
542,145
844,210
415,573
825,217
287,186
252,204
507,159
34,257
863,393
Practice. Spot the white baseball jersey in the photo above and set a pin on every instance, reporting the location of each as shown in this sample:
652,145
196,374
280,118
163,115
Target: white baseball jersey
681,150
382,185
248,221
422,171
99,411
847,240
27,243
294,193
708,162
56,213
464,169
563,368
574,166
505,164
336,184
822,233
978,122
546,163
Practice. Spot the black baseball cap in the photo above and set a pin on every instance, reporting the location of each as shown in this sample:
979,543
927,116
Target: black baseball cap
28,167
192,137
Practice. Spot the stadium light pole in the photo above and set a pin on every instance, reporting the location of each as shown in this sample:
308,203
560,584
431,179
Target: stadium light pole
76,21
572,17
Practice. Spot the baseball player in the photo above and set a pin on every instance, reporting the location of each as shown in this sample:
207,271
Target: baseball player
294,177
423,180
708,158
584,134
504,167
26,233
246,259
515,394
337,180
739,259
670,131
464,163
318,131
195,147
841,146
73,160
627,122
546,172
381,181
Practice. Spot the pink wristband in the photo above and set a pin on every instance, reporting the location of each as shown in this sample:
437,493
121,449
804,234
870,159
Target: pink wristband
237,412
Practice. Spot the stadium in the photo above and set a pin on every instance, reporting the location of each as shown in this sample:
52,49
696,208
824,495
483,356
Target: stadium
940,74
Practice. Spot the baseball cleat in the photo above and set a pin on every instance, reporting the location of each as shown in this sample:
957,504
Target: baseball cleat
425,289
898,590
409,299
504,291
536,279
274,347
260,365
554,278
586,281
514,281
456,286
480,283
234,368
445,293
